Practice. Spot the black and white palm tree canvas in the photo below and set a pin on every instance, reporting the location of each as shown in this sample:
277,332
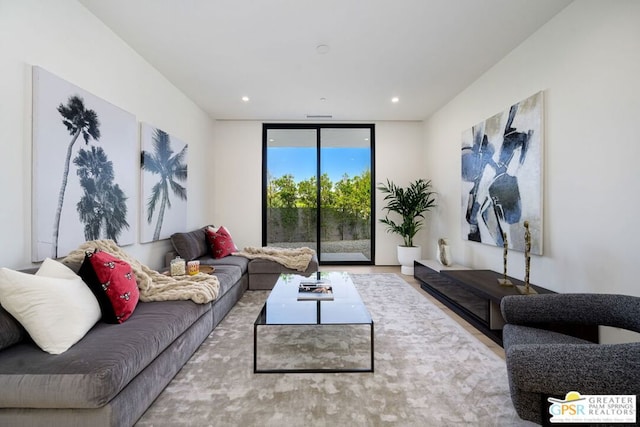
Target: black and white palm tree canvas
84,168
164,184
502,177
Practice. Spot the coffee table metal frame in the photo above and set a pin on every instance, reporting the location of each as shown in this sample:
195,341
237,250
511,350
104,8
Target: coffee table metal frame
284,294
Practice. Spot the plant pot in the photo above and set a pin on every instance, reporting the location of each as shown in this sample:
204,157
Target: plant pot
406,256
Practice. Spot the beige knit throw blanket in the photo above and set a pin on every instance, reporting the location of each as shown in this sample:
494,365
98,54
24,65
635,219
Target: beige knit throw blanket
154,286
293,258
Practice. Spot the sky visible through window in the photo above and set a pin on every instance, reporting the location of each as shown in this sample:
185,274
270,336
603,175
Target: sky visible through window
301,162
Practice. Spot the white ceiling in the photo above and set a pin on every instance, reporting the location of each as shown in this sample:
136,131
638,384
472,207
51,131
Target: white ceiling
423,51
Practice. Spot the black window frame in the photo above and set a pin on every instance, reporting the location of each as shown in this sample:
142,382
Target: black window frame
318,127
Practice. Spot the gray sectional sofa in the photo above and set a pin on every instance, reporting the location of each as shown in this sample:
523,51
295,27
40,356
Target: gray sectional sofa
112,375
263,273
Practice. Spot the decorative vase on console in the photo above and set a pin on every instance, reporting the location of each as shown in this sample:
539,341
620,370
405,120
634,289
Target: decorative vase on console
444,252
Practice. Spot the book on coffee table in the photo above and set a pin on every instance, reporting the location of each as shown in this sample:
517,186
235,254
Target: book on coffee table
315,290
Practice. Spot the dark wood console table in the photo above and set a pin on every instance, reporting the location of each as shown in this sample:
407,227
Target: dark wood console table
475,296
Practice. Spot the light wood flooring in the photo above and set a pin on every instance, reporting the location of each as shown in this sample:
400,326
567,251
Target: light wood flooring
413,282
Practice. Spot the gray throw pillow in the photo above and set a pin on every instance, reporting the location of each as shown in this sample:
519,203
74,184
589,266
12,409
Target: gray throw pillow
11,331
190,245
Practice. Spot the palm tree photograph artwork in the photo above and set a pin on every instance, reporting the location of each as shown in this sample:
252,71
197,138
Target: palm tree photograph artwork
163,164
84,163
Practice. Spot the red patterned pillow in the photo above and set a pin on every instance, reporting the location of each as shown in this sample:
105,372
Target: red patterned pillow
113,283
220,242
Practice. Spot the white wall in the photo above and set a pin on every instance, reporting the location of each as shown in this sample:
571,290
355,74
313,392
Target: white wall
399,154
236,162
587,62
67,40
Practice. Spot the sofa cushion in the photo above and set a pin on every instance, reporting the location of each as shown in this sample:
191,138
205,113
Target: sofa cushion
113,283
99,366
266,266
190,245
54,306
11,331
238,261
227,275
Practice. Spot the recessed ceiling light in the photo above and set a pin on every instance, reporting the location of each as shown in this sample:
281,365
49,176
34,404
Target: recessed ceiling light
245,99
322,49
323,99
395,99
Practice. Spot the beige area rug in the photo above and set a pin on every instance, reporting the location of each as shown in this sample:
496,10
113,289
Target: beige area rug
429,371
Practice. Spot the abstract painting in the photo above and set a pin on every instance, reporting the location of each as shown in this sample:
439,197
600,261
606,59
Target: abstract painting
84,168
502,177
163,165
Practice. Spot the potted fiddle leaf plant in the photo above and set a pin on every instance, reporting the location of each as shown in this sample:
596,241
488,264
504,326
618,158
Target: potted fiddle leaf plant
411,204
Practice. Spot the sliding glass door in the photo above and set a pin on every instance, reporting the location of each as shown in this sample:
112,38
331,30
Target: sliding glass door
317,190
290,188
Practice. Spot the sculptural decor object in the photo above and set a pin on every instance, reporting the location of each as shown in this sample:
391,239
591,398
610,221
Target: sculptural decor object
444,253
504,281
526,289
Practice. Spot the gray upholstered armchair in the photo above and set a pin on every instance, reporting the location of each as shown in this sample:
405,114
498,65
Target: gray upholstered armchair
542,363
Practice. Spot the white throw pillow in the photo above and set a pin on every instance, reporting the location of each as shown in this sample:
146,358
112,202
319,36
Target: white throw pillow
55,306
52,268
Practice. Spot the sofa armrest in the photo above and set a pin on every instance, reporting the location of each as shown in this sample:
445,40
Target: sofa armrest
621,311
586,368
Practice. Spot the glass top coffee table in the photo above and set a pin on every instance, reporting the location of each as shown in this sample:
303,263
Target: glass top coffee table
292,335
